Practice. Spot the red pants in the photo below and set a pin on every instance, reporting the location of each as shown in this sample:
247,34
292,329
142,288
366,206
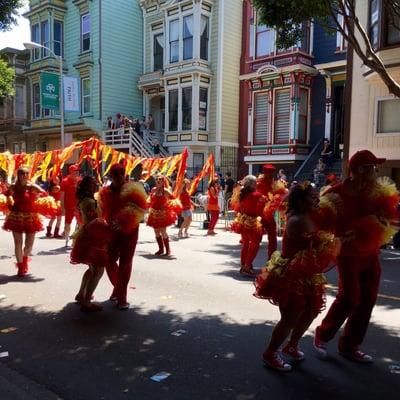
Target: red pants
250,246
270,226
214,214
358,289
122,247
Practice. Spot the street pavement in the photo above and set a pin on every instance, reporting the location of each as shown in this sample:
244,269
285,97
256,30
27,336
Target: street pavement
192,316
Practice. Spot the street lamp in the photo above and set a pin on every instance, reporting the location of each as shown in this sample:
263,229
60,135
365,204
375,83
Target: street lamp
32,46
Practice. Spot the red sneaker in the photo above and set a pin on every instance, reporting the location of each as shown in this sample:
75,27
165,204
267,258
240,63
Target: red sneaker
273,360
293,352
357,355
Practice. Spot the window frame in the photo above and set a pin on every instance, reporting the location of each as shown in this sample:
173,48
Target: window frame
207,108
276,90
35,53
269,122
174,89
376,117
154,36
207,38
187,38
61,41
306,115
257,33
174,41
35,115
180,94
44,53
85,33
85,96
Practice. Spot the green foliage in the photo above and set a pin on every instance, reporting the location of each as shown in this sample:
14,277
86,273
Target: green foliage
7,77
8,13
287,15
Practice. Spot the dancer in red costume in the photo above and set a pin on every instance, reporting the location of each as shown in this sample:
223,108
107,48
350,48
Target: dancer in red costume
294,280
361,209
90,243
68,199
213,205
55,192
162,213
23,218
249,205
122,204
187,207
274,192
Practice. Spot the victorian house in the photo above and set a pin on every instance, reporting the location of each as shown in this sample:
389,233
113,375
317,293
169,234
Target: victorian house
375,113
190,82
290,99
101,46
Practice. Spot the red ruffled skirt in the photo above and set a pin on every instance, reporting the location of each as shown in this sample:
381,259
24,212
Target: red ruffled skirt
23,222
91,243
246,224
161,218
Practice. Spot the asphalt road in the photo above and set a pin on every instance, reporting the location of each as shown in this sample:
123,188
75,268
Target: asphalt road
58,352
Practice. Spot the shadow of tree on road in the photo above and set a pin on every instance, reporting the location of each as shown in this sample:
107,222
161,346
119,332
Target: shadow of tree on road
112,355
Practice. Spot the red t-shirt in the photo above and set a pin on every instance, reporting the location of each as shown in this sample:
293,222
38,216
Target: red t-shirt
185,200
68,186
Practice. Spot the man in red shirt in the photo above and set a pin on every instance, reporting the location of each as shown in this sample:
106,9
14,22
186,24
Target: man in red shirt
68,199
358,262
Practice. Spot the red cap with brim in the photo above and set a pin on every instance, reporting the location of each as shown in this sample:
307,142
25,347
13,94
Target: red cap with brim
268,167
116,168
73,168
364,157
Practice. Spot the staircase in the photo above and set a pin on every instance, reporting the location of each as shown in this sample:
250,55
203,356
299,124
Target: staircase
127,140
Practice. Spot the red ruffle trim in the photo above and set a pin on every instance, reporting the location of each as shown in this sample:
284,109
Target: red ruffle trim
161,218
23,222
91,244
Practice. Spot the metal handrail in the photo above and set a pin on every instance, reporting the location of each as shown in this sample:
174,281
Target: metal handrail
307,160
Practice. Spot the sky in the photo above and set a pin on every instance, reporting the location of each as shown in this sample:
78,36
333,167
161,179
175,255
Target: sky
18,34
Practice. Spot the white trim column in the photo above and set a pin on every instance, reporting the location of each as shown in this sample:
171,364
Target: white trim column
328,103
195,102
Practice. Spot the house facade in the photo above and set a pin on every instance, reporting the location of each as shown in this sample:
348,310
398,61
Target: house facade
191,74
101,47
375,113
13,110
287,100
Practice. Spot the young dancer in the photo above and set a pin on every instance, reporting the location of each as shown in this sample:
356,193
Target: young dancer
187,207
55,192
213,205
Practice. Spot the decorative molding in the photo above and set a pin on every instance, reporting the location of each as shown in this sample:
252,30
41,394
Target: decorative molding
82,5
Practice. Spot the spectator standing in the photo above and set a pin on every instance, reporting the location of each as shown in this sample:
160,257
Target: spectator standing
326,153
282,176
229,185
110,123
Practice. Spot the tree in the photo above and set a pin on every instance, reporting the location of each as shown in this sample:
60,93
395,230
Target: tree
286,17
7,77
8,13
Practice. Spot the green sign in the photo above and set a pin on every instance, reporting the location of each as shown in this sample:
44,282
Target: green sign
50,90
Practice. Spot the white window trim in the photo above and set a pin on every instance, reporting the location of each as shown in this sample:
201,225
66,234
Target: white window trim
83,96
197,128
196,12
81,32
375,122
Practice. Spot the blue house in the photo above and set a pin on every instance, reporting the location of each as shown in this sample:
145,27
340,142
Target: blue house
101,46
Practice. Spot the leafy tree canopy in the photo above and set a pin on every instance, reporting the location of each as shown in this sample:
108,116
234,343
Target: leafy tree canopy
8,13
7,76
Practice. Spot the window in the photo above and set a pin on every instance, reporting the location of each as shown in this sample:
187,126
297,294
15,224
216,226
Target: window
187,37
85,89
85,32
174,41
58,38
162,111
374,23
305,41
44,37
19,101
204,37
265,38
173,110
261,118
158,52
36,101
341,43
388,117
36,39
393,30
187,108
303,114
203,106
251,38
282,116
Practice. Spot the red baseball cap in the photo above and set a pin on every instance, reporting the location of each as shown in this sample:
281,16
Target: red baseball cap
73,168
364,157
116,168
268,167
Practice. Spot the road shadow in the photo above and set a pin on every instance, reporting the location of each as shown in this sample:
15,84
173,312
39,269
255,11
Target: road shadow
150,256
4,279
58,250
113,354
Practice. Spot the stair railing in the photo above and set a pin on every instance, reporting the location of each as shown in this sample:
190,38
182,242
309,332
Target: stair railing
307,167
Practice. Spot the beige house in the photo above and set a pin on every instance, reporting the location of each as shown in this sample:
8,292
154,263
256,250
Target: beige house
375,113
191,76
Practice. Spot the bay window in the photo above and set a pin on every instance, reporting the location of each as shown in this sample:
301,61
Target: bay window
203,106
35,37
204,37
186,108
58,38
173,109
44,37
265,41
187,36
174,41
